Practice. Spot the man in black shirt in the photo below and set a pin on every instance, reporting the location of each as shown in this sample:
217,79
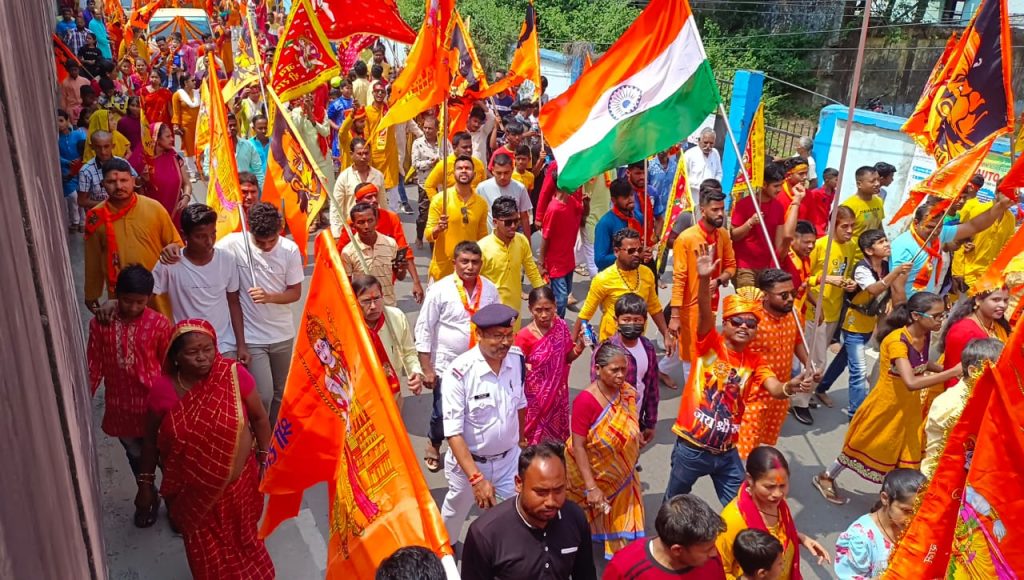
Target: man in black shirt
536,534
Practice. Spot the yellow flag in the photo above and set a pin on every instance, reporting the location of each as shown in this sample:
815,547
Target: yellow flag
223,194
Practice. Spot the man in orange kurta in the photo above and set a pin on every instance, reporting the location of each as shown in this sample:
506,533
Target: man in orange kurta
707,231
777,341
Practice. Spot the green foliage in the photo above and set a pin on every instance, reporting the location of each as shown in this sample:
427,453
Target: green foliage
494,25
782,57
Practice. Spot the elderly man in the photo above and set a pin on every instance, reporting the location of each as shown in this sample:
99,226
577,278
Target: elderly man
483,405
803,149
702,162
90,178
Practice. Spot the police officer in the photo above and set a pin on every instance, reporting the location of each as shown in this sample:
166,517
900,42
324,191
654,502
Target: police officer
483,418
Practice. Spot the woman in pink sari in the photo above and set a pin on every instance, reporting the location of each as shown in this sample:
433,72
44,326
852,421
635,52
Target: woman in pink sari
130,125
165,175
548,348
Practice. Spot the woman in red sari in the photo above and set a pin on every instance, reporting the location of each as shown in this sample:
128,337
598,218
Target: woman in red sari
549,350
209,427
982,315
156,100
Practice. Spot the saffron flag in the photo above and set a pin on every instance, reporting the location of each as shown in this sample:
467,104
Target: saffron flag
339,423
753,155
949,180
651,89
467,74
223,193
966,523
424,81
526,59
304,58
343,18
293,182
678,202
917,123
247,63
61,55
972,98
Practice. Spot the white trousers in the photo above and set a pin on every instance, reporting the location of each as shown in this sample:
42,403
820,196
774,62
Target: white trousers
459,500
394,200
818,337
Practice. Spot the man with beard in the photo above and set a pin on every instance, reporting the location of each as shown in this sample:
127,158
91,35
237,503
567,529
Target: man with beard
483,407
708,232
648,210
536,534
619,217
454,217
706,432
443,173
777,340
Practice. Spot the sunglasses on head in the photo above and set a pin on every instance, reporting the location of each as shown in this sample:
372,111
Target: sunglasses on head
740,321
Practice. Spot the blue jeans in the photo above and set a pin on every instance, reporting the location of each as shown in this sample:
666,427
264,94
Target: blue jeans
562,287
690,464
851,355
401,191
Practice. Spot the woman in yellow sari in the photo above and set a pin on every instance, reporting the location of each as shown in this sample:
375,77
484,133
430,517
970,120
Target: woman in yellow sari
761,505
102,121
602,454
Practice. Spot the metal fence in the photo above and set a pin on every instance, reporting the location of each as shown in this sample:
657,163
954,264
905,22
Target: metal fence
781,140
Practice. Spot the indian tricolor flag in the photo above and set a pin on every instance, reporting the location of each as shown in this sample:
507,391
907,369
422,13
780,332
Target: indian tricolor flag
651,89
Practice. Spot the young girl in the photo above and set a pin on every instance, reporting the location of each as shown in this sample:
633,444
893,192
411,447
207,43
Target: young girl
761,504
886,431
549,350
862,551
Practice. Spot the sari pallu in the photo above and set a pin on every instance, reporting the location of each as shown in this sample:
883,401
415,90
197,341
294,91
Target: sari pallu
198,441
547,386
613,448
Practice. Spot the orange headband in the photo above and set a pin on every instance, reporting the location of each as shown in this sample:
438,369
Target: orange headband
365,190
798,169
359,113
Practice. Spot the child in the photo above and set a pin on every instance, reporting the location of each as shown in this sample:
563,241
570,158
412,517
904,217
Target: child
126,354
876,285
642,367
759,555
524,167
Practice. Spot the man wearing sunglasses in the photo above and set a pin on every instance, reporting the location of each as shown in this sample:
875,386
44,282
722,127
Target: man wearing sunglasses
502,185
724,371
507,255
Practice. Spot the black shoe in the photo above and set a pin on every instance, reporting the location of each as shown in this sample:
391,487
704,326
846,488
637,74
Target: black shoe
802,414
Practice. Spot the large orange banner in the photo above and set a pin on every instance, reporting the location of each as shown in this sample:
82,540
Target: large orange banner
339,423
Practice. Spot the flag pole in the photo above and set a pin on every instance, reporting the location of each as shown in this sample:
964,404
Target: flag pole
757,208
850,114
259,63
444,154
645,200
248,246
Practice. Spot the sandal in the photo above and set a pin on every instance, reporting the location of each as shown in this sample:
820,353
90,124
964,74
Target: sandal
432,459
668,381
145,518
828,489
825,399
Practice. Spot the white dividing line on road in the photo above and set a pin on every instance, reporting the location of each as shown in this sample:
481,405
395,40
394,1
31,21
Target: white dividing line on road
314,540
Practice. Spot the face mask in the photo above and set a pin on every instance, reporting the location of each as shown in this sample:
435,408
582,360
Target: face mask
631,331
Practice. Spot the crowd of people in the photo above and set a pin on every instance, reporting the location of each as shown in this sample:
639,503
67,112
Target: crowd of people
192,335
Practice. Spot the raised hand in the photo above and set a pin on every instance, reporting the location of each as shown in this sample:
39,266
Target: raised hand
706,262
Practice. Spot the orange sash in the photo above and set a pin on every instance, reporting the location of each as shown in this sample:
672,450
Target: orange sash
470,308
102,215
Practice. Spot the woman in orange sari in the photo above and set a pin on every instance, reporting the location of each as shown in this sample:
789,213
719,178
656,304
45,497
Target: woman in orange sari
209,427
602,453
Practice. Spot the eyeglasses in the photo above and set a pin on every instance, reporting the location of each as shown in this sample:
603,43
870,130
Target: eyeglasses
503,337
465,215
936,317
738,322
370,300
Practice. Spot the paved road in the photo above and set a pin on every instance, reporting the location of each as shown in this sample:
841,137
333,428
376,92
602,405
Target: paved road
298,548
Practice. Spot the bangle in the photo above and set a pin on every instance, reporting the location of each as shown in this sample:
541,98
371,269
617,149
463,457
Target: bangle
476,478
784,391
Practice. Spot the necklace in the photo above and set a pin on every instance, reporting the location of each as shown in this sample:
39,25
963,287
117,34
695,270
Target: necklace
625,282
989,329
881,526
180,386
600,390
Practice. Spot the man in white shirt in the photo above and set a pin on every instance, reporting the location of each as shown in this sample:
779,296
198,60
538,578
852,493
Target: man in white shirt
502,185
426,152
443,329
702,162
483,406
267,318
203,283
479,125
803,149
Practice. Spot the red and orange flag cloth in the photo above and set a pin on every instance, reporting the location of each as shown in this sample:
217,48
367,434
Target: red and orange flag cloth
304,58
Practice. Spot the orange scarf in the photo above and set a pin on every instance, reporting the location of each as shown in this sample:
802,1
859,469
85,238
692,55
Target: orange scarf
470,308
382,354
631,222
101,215
934,251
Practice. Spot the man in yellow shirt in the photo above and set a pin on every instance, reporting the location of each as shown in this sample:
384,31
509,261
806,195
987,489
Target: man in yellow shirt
361,86
524,167
868,208
623,277
980,254
383,145
838,280
506,254
462,143
462,218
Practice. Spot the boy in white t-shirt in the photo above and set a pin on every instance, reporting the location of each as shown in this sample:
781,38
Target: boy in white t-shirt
202,282
269,328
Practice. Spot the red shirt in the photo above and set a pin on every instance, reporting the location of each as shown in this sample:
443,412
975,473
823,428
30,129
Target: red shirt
388,223
815,208
635,562
560,228
753,252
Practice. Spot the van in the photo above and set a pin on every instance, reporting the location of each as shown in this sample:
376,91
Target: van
192,23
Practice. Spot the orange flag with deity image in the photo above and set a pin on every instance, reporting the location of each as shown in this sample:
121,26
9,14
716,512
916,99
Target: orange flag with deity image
304,58
339,423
